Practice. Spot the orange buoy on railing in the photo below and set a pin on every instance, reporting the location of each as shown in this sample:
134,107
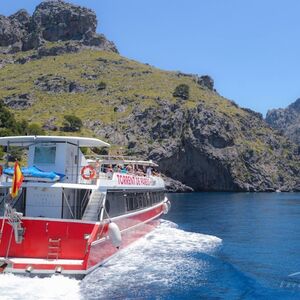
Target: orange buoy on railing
88,172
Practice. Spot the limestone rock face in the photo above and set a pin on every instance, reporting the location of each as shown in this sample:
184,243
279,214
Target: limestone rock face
206,150
51,21
287,120
206,81
9,32
58,20
21,18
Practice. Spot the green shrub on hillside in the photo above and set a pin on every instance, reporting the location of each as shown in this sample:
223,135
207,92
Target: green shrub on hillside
34,129
72,123
182,91
8,123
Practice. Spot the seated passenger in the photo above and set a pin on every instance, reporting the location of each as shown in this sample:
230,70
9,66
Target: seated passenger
139,172
129,169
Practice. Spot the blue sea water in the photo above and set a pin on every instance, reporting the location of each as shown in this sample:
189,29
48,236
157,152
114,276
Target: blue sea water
210,246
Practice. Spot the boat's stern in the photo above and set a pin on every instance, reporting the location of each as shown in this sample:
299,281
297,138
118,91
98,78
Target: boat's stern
47,246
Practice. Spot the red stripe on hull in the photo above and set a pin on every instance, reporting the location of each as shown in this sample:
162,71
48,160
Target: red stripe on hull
73,244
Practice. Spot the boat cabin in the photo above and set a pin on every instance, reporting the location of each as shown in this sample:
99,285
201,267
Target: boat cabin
61,182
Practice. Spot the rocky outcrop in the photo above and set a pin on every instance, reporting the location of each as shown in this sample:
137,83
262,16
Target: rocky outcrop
51,21
287,121
21,101
204,80
175,186
57,84
58,20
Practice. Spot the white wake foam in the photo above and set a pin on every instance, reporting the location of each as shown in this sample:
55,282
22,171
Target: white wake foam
161,260
55,287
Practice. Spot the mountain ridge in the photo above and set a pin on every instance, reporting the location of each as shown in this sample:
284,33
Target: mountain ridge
286,120
199,138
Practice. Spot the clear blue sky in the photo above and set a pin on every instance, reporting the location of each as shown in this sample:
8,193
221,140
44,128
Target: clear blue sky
251,48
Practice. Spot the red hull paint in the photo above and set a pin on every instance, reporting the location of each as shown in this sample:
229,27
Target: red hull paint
76,254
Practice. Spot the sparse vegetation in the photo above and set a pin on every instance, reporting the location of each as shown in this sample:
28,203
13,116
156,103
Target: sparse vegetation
34,129
182,91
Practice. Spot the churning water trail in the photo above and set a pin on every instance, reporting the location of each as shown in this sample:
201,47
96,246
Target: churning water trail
150,268
162,261
21,287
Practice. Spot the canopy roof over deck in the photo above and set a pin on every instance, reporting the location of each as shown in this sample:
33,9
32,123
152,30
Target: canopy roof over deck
31,139
122,160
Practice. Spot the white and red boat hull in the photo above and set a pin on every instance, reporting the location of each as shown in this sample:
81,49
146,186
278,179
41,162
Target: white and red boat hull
81,246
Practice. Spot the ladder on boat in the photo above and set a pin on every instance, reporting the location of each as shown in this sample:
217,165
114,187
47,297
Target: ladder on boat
93,207
54,248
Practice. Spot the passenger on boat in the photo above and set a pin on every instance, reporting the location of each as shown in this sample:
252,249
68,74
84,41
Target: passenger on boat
109,172
149,171
97,164
129,169
155,172
139,172
123,170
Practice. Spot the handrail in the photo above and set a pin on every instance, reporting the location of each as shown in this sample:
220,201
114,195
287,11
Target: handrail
65,198
84,203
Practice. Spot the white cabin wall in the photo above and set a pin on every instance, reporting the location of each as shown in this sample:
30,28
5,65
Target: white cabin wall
70,163
43,202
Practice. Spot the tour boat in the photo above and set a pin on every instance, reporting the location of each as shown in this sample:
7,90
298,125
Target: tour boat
73,212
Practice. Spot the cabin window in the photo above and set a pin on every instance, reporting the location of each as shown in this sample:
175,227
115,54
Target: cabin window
116,203
44,155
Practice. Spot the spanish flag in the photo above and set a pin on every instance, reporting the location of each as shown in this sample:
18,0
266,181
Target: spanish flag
17,180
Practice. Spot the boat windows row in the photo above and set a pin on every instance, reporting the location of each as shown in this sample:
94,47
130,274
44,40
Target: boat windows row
120,202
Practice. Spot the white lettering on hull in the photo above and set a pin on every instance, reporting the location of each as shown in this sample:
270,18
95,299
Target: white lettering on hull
133,180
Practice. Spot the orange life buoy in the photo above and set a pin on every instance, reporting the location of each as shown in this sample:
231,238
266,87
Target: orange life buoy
1,170
90,175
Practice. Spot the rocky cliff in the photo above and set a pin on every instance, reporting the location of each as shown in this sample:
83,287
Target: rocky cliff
287,121
198,137
51,21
